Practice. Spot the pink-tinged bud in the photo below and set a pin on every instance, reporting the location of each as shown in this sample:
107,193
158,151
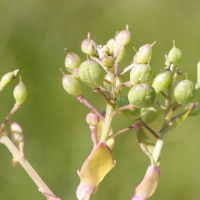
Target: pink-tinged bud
17,138
94,169
92,119
148,185
123,37
88,46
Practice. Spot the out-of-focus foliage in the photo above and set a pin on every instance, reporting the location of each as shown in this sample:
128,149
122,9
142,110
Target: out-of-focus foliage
57,139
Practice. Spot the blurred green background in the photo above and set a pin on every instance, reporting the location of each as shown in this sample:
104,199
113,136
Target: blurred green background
33,36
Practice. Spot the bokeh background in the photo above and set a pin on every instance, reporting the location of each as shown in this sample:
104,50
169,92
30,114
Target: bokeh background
33,35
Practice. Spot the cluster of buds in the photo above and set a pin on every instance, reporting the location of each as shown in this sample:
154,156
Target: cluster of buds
100,73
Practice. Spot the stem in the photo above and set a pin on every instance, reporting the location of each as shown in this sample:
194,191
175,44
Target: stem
103,95
86,103
128,84
122,108
31,172
136,126
109,109
15,108
148,128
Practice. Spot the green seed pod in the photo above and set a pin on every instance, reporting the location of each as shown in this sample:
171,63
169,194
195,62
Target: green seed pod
175,56
162,80
111,45
20,93
72,61
123,101
194,111
135,58
7,78
119,81
92,119
71,85
140,73
184,92
142,95
91,73
107,61
88,46
144,53
123,37
198,73
148,115
121,54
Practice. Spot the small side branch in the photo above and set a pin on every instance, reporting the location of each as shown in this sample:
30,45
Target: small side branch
148,128
86,103
128,84
120,109
103,95
161,106
126,70
15,108
134,126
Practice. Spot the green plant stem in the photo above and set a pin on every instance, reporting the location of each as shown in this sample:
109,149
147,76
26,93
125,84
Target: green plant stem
14,109
29,169
109,109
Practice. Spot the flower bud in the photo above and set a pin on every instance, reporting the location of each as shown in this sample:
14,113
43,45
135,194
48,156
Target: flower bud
121,54
122,101
7,78
194,111
91,73
119,81
111,44
148,115
184,92
107,61
71,85
140,73
175,55
17,138
162,80
88,46
72,61
144,53
142,95
20,93
92,119
106,49
123,37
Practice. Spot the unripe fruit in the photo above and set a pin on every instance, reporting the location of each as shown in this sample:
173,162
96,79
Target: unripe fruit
107,61
91,73
71,85
140,73
123,37
144,53
121,54
20,93
88,46
123,101
142,95
162,80
119,81
7,78
72,61
111,45
135,58
92,119
194,111
184,92
175,56
148,115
